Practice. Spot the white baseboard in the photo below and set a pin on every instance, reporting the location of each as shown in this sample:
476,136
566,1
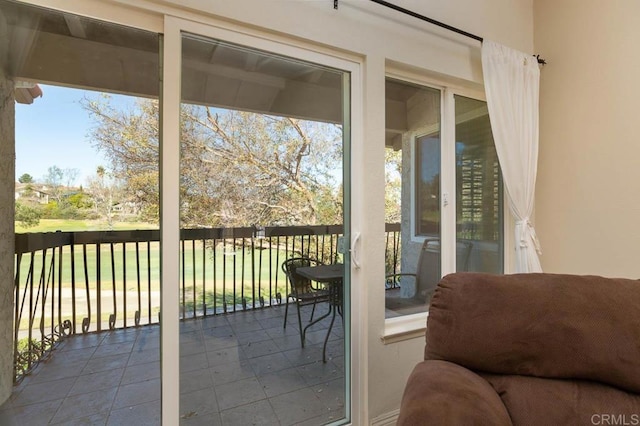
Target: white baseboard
386,419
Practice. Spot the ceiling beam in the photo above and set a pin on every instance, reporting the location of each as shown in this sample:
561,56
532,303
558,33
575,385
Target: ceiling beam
312,75
75,25
235,73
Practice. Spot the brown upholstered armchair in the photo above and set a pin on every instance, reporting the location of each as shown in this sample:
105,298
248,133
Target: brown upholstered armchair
528,349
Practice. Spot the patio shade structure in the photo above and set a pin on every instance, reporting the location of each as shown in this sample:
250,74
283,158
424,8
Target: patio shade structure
49,48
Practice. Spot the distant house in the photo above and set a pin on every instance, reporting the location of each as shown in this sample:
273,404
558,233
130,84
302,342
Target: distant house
31,192
127,208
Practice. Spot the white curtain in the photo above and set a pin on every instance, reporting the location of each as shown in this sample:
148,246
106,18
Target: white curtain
512,81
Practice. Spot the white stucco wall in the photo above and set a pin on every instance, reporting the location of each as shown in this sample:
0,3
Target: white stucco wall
7,245
375,36
587,203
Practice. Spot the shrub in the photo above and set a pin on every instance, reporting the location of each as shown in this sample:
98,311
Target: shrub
27,216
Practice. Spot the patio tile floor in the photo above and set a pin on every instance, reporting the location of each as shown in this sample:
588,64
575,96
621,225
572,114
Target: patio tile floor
240,368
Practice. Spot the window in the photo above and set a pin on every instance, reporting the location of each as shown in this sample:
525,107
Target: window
427,187
440,181
479,221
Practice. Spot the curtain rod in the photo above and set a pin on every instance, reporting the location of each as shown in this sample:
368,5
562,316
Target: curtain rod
433,21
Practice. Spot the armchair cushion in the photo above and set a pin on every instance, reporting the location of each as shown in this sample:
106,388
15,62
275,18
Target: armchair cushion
542,325
535,401
440,392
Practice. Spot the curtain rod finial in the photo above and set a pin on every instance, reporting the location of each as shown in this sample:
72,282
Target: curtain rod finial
540,60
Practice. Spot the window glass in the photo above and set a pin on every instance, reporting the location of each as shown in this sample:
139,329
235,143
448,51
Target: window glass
262,184
412,196
87,251
479,219
428,185
414,212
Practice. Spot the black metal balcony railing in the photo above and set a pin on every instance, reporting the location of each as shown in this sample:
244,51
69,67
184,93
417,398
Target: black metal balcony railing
81,282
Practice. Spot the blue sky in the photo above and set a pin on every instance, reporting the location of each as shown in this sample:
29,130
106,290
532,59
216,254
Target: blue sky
55,131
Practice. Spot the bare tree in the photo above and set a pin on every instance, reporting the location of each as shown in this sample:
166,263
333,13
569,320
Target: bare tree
237,168
59,181
105,193
53,180
393,186
129,141
70,176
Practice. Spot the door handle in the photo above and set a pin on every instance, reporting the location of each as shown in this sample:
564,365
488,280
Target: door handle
354,251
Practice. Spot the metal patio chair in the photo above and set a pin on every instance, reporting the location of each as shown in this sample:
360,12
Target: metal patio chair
302,292
427,273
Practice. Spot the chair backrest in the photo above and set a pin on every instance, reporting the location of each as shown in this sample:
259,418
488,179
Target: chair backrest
463,253
428,271
299,284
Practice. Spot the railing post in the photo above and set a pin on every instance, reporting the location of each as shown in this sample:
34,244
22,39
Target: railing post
204,277
114,315
242,262
193,271
253,272
184,280
124,284
17,314
98,288
215,277
86,321
60,321
72,253
149,280
138,312
235,281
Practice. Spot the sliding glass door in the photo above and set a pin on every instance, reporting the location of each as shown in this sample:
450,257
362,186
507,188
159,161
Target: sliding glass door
260,180
222,166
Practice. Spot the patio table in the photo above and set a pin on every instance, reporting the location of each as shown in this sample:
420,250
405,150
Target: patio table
332,276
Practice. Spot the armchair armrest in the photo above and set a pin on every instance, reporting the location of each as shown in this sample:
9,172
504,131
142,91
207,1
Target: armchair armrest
440,392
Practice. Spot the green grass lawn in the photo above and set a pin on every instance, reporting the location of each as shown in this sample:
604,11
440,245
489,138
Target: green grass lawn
122,265
69,225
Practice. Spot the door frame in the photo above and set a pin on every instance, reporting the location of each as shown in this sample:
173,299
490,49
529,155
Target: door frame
355,359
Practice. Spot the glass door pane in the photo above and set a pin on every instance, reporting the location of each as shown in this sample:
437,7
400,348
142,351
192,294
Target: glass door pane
262,194
87,231
412,196
479,208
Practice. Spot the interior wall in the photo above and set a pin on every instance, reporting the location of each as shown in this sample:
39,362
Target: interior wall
587,203
376,36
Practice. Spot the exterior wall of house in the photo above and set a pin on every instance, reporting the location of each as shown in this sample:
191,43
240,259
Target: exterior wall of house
587,203
7,245
377,37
